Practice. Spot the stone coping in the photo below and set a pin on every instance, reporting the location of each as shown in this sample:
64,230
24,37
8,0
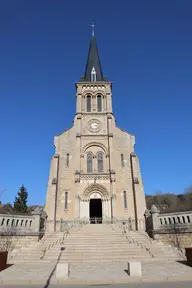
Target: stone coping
99,282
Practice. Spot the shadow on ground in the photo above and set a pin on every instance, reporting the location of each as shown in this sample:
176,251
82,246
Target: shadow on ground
184,262
52,272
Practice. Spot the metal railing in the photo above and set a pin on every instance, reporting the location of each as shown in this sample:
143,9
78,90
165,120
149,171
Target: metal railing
95,220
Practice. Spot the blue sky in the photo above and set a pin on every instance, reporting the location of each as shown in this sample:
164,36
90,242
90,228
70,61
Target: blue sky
145,49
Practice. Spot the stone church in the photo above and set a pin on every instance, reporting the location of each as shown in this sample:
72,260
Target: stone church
94,174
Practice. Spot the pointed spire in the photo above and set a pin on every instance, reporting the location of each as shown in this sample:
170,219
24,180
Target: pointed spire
93,71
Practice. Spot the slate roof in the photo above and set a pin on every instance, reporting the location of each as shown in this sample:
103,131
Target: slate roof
93,61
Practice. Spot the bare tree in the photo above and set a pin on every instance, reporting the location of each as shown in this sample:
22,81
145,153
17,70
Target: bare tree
176,235
6,239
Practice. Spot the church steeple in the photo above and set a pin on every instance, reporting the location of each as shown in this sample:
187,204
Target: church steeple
93,70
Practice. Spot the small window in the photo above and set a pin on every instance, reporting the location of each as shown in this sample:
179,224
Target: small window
178,219
100,162
21,222
66,200
67,160
30,223
188,219
122,160
89,162
183,219
26,222
2,222
93,75
12,223
161,221
125,199
7,222
99,104
17,222
169,220
89,103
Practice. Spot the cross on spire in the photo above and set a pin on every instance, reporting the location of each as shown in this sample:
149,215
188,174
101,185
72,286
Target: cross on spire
93,28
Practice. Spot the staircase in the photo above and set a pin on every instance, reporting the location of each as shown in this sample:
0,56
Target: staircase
96,243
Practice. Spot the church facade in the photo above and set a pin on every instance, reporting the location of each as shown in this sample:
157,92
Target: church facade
94,174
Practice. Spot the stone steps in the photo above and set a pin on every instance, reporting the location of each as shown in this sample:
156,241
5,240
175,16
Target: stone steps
94,243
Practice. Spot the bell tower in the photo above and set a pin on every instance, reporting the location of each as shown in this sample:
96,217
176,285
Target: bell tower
94,172
94,117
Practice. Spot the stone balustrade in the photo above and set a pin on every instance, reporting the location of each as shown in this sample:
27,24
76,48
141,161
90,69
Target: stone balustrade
156,221
175,218
13,223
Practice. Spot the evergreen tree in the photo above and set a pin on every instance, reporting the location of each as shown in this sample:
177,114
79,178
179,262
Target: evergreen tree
20,204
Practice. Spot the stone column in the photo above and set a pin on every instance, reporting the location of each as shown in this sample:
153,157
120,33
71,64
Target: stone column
109,208
103,209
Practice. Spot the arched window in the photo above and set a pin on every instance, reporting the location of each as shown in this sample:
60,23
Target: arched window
88,103
125,199
26,222
66,200
12,223
89,162
2,222
21,222
67,160
100,162
99,103
122,160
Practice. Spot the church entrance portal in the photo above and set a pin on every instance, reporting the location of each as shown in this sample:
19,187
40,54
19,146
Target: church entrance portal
95,211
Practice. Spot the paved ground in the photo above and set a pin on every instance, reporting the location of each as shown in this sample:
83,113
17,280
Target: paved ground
144,285
92,273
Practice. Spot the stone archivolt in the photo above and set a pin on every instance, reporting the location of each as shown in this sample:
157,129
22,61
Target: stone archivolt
95,189
94,144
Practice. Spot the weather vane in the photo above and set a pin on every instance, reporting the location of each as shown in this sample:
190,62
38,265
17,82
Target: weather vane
93,28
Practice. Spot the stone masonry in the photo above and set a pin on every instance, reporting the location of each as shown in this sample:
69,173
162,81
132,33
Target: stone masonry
94,172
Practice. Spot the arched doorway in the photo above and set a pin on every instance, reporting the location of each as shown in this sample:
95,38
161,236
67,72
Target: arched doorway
95,211
95,204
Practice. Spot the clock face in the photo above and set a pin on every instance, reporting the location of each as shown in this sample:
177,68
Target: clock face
94,125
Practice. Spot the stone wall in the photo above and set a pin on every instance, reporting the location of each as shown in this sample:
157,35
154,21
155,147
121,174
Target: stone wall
14,242
181,240
170,228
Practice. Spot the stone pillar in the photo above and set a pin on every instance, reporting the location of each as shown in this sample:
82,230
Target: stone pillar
113,200
77,198
103,209
94,104
51,201
155,219
78,102
109,208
